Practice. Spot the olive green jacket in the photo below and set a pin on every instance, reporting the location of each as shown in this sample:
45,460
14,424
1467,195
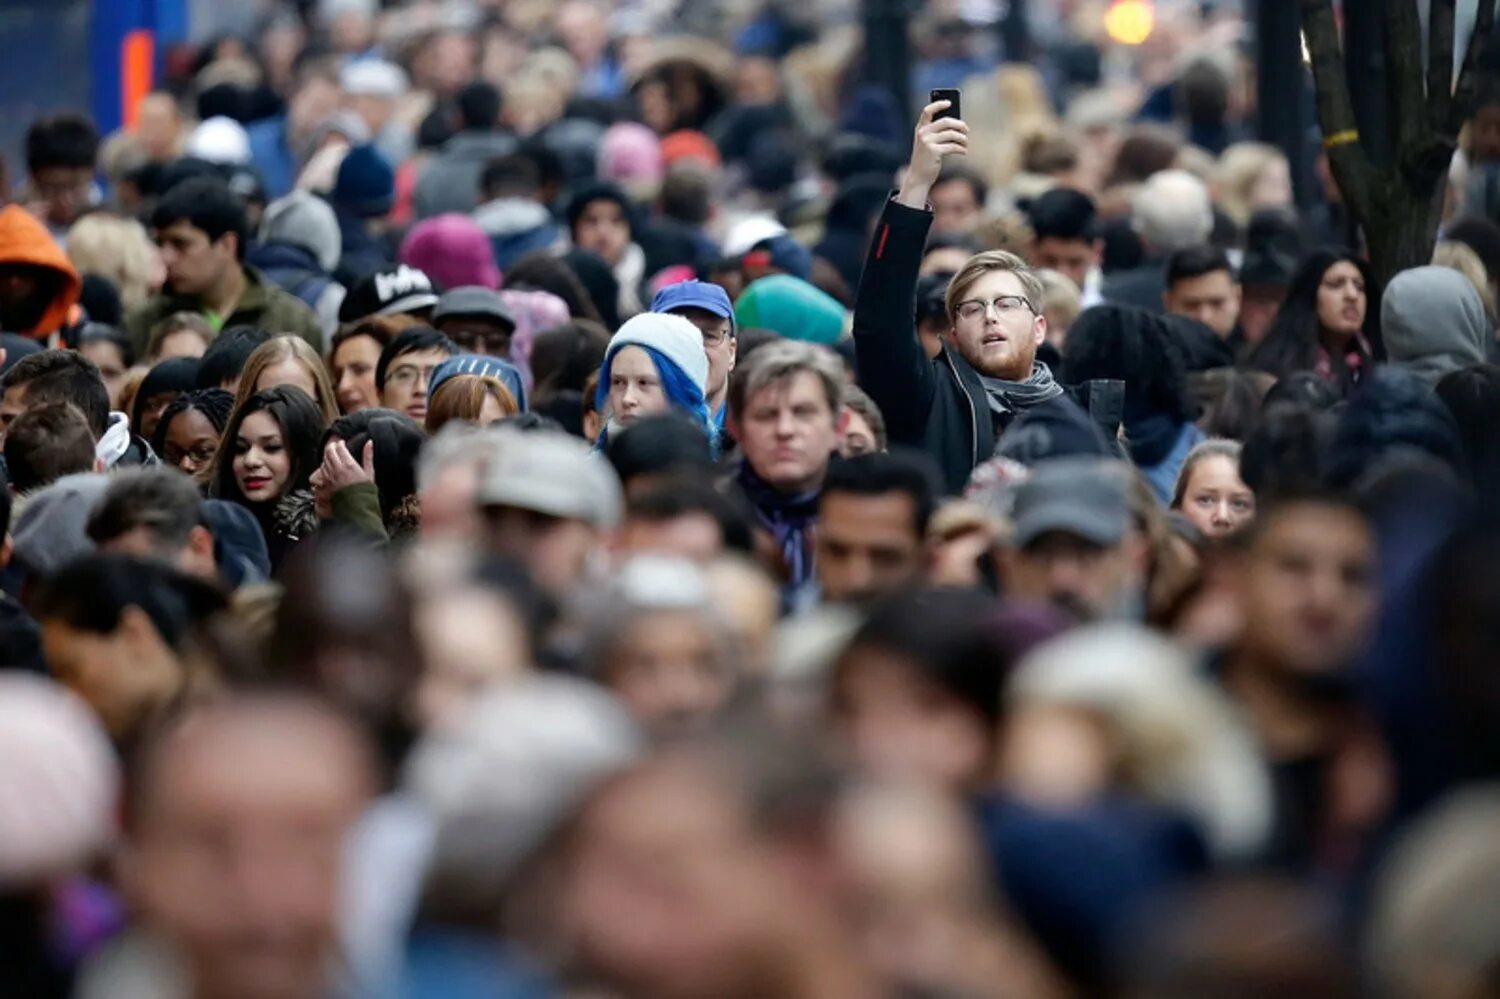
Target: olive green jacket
358,506
263,304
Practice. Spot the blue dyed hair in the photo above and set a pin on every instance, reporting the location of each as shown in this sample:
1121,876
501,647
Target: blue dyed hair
682,392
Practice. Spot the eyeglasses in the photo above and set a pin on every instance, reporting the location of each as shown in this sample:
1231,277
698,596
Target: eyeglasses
195,458
714,338
1004,305
489,344
408,374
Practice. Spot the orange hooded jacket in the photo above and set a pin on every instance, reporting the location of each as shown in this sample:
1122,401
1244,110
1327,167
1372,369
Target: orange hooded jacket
24,240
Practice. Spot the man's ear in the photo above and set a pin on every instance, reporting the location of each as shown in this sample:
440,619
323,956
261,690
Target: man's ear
1039,327
201,542
137,628
841,425
1098,252
7,549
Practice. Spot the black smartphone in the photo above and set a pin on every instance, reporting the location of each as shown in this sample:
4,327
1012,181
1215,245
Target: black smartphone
949,94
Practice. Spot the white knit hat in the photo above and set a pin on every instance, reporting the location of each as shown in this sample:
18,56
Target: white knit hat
58,782
220,140
373,78
673,336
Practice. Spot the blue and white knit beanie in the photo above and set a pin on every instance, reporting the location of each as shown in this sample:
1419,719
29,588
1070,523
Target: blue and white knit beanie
676,339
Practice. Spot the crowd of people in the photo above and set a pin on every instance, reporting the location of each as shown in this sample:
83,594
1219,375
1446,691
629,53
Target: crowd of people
719,534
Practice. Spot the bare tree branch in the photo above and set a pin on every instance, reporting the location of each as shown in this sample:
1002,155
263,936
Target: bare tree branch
1467,90
1440,70
1403,59
1350,163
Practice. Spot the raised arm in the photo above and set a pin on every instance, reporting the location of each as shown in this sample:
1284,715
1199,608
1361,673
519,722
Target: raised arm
893,367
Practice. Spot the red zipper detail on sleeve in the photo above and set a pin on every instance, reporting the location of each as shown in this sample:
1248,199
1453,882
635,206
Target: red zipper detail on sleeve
885,232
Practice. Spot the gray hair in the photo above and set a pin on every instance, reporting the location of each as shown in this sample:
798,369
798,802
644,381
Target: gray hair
781,360
458,443
1172,211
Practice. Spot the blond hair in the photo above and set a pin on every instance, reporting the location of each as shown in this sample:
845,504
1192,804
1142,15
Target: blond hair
1060,299
1452,254
1240,169
984,263
282,348
119,250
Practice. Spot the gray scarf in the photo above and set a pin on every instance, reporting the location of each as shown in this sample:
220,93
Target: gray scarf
1007,397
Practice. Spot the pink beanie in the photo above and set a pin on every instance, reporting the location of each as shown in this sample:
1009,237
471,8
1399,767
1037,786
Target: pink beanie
453,251
59,782
630,153
533,312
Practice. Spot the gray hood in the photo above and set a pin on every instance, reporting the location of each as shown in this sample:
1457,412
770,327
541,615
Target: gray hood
511,216
1433,323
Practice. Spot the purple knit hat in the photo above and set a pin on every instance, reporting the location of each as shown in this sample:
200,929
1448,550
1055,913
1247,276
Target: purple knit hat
533,311
630,153
453,251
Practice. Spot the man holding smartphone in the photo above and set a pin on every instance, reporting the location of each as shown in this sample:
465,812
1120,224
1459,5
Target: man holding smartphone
954,405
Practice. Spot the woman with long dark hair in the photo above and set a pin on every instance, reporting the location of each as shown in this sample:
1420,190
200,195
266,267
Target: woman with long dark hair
1326,324
270,448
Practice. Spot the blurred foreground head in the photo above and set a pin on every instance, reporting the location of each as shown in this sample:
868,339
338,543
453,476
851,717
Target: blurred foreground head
132,637
653,637
238,818
1239,939
702,873
917,692
1439,887
344,632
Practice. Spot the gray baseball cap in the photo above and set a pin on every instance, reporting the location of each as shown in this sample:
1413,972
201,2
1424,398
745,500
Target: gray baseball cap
473,300
1086,497
551,473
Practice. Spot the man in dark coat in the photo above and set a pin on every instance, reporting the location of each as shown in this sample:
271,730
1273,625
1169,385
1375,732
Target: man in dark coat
954,404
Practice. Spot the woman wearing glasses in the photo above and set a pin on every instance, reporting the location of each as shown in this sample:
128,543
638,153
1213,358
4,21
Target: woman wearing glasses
187,436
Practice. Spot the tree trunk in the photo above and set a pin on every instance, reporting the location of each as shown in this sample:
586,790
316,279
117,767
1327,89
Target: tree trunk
1402,229
1397,204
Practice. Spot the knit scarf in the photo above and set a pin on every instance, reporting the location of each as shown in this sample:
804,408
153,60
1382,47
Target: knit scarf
1008,397
789,520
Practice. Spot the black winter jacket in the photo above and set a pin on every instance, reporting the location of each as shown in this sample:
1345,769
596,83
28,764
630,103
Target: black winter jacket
936,404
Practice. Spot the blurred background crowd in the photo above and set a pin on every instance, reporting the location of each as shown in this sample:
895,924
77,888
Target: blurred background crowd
744,499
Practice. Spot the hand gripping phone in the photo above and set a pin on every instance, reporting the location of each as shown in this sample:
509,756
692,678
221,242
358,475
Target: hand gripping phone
951,95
